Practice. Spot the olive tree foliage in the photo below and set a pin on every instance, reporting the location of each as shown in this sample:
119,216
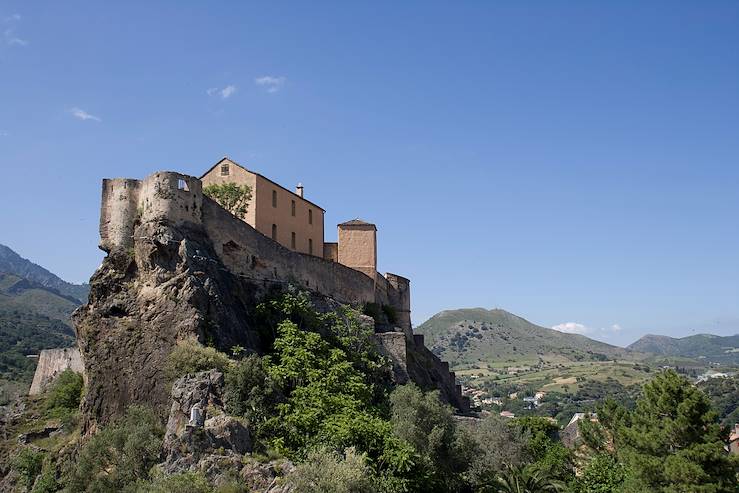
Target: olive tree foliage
498,445
326,471
232,197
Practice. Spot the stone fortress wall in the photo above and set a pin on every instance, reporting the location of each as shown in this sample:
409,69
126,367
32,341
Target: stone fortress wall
178,200
52,362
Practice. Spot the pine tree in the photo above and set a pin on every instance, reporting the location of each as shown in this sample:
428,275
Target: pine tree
672,441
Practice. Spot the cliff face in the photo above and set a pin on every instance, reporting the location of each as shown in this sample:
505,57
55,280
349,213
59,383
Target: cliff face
170,286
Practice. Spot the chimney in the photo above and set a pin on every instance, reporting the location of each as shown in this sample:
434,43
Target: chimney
299,190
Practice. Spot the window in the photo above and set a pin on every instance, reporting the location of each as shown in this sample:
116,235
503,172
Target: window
310,246
182,185
292,240
293,208
274,232
274,198
310,216
224,169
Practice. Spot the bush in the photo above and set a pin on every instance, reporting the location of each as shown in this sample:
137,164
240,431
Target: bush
120,454
65,393
191,357
329,472
188,482
27,464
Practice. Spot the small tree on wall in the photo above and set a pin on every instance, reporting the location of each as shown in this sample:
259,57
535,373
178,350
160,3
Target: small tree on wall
232,197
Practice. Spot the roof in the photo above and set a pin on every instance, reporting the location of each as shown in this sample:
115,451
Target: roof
226,158
357,222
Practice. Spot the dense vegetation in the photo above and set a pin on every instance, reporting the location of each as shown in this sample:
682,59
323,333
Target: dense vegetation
323,398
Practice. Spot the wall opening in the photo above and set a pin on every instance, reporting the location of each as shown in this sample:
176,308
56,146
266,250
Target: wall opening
225,169
310,246
310,216
292,208
182,185
274,232
274,198
293,240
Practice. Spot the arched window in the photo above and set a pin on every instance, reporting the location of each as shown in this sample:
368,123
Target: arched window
274,232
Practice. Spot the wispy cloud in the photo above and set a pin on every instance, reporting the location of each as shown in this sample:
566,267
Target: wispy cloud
578,328
224,93
271,83
9,35
83,115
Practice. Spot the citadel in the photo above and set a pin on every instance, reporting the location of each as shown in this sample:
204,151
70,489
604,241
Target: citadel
180,266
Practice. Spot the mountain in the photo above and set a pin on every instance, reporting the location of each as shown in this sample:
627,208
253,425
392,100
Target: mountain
718,349
470,335
24,296
12,263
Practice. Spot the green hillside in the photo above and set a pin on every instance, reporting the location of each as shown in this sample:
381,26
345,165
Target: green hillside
27,296
711,348
470,335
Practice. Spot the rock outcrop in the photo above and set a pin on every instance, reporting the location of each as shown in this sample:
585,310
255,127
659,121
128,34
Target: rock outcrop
213,444
170,287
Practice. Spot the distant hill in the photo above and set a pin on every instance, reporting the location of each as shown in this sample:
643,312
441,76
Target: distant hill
470,335
24,296
12,263
718,349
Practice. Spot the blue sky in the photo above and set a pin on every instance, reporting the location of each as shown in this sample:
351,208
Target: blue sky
576,163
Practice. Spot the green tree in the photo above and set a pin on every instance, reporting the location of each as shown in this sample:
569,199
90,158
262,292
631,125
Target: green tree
232,197
326,471
65,394
602,474
672,441
427,423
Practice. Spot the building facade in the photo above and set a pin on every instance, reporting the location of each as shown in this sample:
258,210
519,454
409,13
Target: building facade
283,215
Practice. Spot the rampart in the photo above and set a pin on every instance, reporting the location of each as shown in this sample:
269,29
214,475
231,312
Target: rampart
178,199
52,362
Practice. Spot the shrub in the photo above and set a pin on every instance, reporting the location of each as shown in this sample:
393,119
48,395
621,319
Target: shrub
65,393
325,471
187,482
27,464
120,454
191,357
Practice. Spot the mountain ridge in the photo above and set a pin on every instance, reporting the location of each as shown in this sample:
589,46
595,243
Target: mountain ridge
715,348
12,263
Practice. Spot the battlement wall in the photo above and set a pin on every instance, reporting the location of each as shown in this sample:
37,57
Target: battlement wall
51,363
178,199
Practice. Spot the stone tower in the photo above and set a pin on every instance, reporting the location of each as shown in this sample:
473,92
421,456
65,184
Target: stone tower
358,246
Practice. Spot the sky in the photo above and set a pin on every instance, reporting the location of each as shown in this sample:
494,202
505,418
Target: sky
575,163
